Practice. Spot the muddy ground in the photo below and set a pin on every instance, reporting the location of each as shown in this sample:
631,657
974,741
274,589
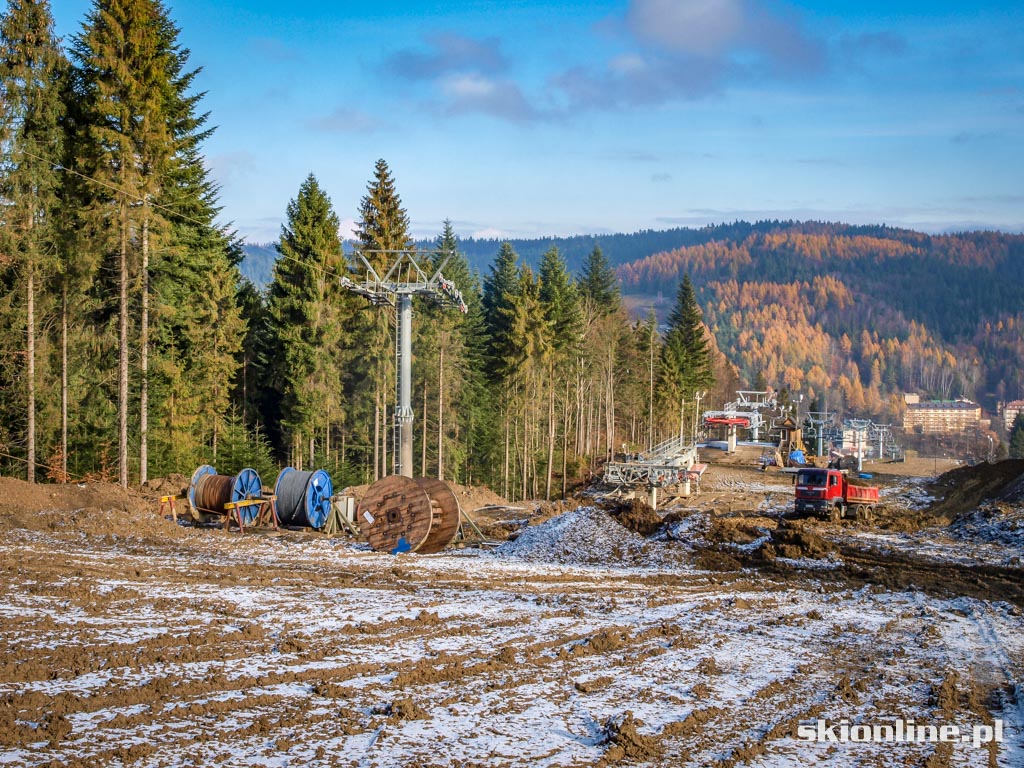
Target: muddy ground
703,634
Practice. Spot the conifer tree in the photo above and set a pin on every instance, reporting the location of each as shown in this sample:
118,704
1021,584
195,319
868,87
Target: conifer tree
31,143
302,309
198,325
382,231
561,304
685,355
525,338
500,284
599,284
127,61
383,223
561,301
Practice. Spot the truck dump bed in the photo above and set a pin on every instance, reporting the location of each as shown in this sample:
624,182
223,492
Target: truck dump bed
858,494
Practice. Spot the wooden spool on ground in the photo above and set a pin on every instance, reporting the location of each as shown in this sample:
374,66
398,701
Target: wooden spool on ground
400,514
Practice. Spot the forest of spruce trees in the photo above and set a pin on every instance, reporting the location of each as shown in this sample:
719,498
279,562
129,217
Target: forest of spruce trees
132,347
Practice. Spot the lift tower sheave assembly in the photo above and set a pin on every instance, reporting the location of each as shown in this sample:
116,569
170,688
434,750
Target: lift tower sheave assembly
407,277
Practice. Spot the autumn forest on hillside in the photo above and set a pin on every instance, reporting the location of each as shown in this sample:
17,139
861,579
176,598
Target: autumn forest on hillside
133,347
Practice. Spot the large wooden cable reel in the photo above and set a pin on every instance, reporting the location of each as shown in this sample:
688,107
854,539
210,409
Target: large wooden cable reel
402,514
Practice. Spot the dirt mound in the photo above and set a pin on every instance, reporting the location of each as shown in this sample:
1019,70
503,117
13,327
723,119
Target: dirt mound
626,743
637,516
796,542
964,488
94,508
584,536
165,486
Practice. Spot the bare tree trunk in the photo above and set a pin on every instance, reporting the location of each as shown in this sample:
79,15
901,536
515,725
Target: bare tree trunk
64,381
609,408
216,426
650,398
565,437
30,322
504,475
144,359
384,471
376,437
588,444
245,387
440,415
423,441
551,434
312,449
122,354
526,436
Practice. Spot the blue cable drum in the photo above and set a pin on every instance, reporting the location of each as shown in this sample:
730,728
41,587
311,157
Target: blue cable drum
303,498
247,485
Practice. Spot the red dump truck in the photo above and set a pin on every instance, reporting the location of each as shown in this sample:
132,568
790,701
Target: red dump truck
830,495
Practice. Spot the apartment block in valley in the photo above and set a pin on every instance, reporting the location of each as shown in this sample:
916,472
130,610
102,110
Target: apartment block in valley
940,417
1010,411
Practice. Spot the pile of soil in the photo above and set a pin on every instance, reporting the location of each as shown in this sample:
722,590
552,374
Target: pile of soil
795,542
637,515
165,486
965,488
102,509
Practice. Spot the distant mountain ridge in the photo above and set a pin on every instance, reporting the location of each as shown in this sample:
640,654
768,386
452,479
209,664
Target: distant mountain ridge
823,308
619,247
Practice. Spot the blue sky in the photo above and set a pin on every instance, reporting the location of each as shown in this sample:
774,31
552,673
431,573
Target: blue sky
524,118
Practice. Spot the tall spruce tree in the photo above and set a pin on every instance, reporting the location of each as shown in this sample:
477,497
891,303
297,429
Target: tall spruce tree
127,62
383,224
685,355
564,315
500,284
561,301
599,284
31,143
381,232
305,330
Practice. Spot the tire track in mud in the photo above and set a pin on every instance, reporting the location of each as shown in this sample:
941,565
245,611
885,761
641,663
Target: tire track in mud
898,572
1010,694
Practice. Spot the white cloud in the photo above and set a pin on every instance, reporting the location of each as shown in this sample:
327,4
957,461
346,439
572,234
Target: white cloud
474,92
702,27
347,229
489,233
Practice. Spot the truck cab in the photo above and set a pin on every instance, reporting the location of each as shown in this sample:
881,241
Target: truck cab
818,491
828,494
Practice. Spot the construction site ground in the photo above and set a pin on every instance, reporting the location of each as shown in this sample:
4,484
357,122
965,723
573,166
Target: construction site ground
598,633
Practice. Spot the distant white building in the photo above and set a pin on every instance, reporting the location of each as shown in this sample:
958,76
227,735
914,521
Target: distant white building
1010,411
932,417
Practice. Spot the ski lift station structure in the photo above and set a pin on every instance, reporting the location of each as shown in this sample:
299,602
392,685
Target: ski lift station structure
745,412
673,462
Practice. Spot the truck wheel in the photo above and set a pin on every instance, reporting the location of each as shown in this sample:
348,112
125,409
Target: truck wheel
837,514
